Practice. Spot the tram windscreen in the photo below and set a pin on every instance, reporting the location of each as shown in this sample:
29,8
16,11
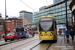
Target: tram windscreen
46,24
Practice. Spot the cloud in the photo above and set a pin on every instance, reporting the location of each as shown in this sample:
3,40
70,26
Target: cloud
13,7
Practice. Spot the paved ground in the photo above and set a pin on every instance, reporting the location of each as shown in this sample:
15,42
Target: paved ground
2,41
33,43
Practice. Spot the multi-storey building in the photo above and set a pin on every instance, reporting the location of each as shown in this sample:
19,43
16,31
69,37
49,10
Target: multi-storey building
56,1
26,15
58,10
7,25
25,21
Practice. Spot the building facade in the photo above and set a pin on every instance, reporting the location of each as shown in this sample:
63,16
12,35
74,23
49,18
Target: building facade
26,15
56,1
8,25
72,8
57,10
16,22
25,21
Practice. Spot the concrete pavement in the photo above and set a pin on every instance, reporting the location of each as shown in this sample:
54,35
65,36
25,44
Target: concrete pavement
59,45
2,41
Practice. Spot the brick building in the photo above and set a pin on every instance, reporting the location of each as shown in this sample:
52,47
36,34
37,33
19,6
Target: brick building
3,25
8,25
17,22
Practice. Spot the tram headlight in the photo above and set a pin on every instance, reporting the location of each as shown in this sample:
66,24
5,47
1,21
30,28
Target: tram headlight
51,33
41,34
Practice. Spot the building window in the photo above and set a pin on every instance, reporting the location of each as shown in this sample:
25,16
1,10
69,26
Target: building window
1,28
12,20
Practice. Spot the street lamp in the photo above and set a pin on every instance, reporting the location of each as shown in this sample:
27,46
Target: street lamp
5,20
66,18
66,14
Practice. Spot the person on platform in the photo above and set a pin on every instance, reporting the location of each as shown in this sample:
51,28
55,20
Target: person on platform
60,32
67,32
72,34
0,35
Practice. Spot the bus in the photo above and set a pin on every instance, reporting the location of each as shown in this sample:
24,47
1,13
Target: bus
21,31
47,28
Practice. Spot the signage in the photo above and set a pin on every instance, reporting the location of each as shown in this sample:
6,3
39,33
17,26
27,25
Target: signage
60,25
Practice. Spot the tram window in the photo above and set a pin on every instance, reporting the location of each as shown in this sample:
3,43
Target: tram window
55,25
40,29
1,29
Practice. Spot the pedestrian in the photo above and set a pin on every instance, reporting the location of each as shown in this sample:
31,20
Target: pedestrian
60,32
67,34
3,35
8,30
27,35
72,33
0,36
32,33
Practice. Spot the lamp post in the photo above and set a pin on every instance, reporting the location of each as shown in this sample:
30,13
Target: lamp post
5,20
66,14
66,18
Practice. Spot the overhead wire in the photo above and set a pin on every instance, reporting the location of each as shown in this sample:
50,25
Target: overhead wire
47,2
27,5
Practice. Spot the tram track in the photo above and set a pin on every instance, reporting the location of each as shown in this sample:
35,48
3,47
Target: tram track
9,42
40,44
49,46
12,44
26,44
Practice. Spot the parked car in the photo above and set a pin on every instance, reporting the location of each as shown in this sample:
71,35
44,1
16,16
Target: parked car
11,36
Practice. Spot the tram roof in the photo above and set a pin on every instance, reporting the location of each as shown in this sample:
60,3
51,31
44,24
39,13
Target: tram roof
47,16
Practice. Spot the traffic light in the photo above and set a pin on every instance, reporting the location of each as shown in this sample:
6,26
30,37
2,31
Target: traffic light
7,16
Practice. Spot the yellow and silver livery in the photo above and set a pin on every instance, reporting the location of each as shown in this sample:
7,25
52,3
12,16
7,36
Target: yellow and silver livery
47,28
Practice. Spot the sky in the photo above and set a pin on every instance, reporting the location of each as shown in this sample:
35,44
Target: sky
13,7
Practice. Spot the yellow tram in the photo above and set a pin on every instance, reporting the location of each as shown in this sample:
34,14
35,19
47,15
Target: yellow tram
47,28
